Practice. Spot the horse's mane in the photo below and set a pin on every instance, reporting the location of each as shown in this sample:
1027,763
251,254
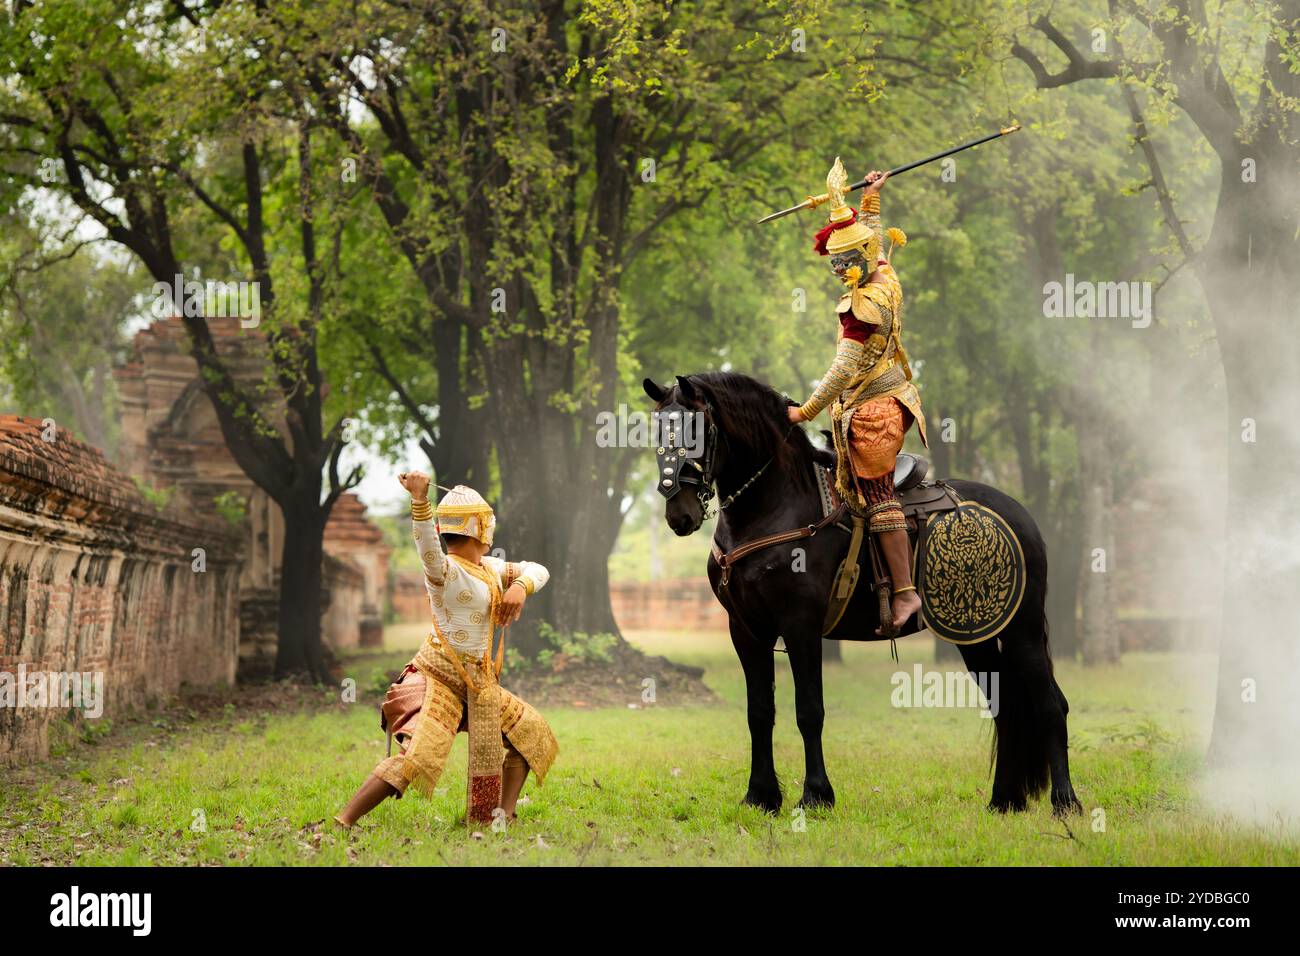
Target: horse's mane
753,417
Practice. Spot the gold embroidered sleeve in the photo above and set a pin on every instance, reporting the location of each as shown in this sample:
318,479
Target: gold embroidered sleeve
869,216
432,557
848,359
532,576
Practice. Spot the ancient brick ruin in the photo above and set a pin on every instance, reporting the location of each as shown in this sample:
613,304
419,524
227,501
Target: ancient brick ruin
95,580
171,439
164,571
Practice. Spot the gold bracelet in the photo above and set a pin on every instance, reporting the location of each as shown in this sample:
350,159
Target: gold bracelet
421,510
910,587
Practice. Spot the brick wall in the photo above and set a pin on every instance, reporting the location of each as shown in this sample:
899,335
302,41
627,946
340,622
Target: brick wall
680,604
171,439
94,579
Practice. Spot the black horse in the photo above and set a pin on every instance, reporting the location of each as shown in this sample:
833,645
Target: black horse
763,470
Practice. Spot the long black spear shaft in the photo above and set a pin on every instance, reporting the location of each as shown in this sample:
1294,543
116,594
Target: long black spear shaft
813,201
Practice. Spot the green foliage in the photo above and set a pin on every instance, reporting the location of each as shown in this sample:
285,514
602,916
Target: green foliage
576,646
160,498
397,535
63,318
233,508
602,172
93,731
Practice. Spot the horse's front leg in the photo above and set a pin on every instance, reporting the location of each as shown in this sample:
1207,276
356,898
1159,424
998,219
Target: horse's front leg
805,651
755,655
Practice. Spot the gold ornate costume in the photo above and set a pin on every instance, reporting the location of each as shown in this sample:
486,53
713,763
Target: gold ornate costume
457,670
868,386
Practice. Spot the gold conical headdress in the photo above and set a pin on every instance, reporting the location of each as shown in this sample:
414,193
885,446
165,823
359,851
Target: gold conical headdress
837,184
849,232
464,511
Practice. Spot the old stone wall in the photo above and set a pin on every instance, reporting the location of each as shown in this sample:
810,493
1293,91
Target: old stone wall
410,601
685,604
171,439
353,539
95,581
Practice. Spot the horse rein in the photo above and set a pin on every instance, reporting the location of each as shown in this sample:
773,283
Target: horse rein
727,559
731,498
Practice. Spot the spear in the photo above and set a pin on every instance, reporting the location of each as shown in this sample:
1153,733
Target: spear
813,201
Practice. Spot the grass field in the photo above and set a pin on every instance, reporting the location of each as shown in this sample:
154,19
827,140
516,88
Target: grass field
654,785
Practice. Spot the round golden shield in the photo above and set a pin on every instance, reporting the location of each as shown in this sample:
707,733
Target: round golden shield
971,574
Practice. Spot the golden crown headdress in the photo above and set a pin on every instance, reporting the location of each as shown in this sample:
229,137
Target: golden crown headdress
464,511
846,230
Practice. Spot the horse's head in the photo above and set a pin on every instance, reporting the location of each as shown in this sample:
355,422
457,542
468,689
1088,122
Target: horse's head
731,430
687,451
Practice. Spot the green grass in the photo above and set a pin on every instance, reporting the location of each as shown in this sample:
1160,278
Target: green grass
657,785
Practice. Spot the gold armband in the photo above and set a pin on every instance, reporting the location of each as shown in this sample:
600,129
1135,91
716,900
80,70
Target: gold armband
421,510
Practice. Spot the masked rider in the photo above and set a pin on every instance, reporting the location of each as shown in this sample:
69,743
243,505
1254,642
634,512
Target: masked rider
868,387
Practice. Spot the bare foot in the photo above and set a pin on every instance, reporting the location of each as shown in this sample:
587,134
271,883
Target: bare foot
902,607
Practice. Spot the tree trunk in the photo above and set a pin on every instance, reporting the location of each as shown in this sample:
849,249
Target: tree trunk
1253,287
1065,562
1100,632
300,650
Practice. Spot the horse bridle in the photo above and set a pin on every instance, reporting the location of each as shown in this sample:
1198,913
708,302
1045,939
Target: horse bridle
674,460
677,467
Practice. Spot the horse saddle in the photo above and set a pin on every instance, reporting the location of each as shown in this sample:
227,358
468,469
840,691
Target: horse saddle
968,565
919,499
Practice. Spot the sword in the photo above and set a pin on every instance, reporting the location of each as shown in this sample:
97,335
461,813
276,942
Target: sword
814,201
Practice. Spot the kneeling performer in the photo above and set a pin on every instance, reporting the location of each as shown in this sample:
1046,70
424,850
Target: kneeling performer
451,684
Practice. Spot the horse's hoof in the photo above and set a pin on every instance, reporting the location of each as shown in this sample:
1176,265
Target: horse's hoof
818,799
1066,807
1008,805
815,803
767,804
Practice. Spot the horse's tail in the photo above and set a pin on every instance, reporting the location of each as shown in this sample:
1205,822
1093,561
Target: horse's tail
1018,756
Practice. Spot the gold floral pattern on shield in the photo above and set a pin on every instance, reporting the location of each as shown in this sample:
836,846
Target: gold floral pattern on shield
972,574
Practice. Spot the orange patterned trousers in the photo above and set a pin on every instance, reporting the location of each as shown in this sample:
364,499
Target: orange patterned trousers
875,438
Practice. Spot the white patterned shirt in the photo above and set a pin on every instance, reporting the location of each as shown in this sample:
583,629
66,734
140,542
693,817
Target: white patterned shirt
458,599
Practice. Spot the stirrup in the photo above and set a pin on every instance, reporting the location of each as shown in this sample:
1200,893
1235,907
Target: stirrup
884,590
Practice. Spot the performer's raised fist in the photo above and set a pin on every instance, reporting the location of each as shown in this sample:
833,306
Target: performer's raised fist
875,179
417,483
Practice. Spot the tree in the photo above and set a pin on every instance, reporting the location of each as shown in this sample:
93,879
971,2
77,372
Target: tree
160,123
1231,72
522,159
63,315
